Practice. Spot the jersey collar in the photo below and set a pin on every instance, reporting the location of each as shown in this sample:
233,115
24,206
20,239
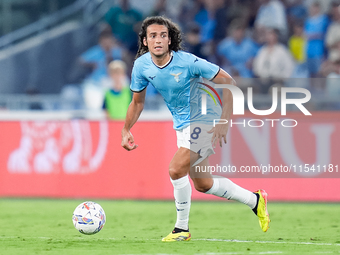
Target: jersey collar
166,64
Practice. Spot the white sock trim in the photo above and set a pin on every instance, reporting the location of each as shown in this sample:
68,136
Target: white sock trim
213,188
180,183
223,187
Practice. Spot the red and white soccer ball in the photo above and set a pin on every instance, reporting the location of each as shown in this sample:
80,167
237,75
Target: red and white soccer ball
89,218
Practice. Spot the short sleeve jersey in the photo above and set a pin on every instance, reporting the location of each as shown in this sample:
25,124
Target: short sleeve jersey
178,82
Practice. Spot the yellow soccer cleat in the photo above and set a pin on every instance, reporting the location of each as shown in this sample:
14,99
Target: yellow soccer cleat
176,237
261,210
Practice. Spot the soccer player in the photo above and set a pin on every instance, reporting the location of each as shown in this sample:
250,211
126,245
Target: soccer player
176,75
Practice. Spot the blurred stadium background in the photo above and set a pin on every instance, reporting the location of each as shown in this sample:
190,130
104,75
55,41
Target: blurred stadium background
57,140
54,57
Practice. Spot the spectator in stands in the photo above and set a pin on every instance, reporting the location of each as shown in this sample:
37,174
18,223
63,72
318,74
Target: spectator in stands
159,9
334,8
273,63
325,5
188,11
272,14
99,56
297,47
206,18
315,30
297,44
333,84
125,22
237,51
297,11
170,9
333,32
118,96
244,10
229,11
192,41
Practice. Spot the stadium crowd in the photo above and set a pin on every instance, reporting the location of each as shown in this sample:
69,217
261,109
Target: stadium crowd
261,43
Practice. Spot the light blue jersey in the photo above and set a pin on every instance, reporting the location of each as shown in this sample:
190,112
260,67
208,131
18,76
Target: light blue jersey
179,82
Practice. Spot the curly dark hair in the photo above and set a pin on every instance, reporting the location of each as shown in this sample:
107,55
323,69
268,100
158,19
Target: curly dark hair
174,34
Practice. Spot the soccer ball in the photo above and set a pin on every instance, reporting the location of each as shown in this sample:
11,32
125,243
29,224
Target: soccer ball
88,218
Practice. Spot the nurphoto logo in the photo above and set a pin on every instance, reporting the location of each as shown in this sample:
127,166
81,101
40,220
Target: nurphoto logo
238,104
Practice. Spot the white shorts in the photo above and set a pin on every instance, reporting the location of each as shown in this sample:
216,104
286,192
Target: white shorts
197,139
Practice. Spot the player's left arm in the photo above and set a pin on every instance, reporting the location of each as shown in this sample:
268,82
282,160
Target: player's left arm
220,130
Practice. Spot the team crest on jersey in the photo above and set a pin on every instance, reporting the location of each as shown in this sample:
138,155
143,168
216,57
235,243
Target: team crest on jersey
176,76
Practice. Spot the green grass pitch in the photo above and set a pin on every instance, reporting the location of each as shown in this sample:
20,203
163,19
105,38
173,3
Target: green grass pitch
43,226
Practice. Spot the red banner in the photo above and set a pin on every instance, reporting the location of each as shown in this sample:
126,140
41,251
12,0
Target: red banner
83,159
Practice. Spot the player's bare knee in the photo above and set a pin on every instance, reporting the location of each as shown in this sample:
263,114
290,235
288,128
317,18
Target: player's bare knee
176,173
202,187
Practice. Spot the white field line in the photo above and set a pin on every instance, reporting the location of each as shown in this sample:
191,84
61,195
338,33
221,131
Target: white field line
268,242
219,253
208,240
323,252
232,253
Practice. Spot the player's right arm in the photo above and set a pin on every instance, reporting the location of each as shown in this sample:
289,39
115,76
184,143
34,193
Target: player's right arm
135,109
138,86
